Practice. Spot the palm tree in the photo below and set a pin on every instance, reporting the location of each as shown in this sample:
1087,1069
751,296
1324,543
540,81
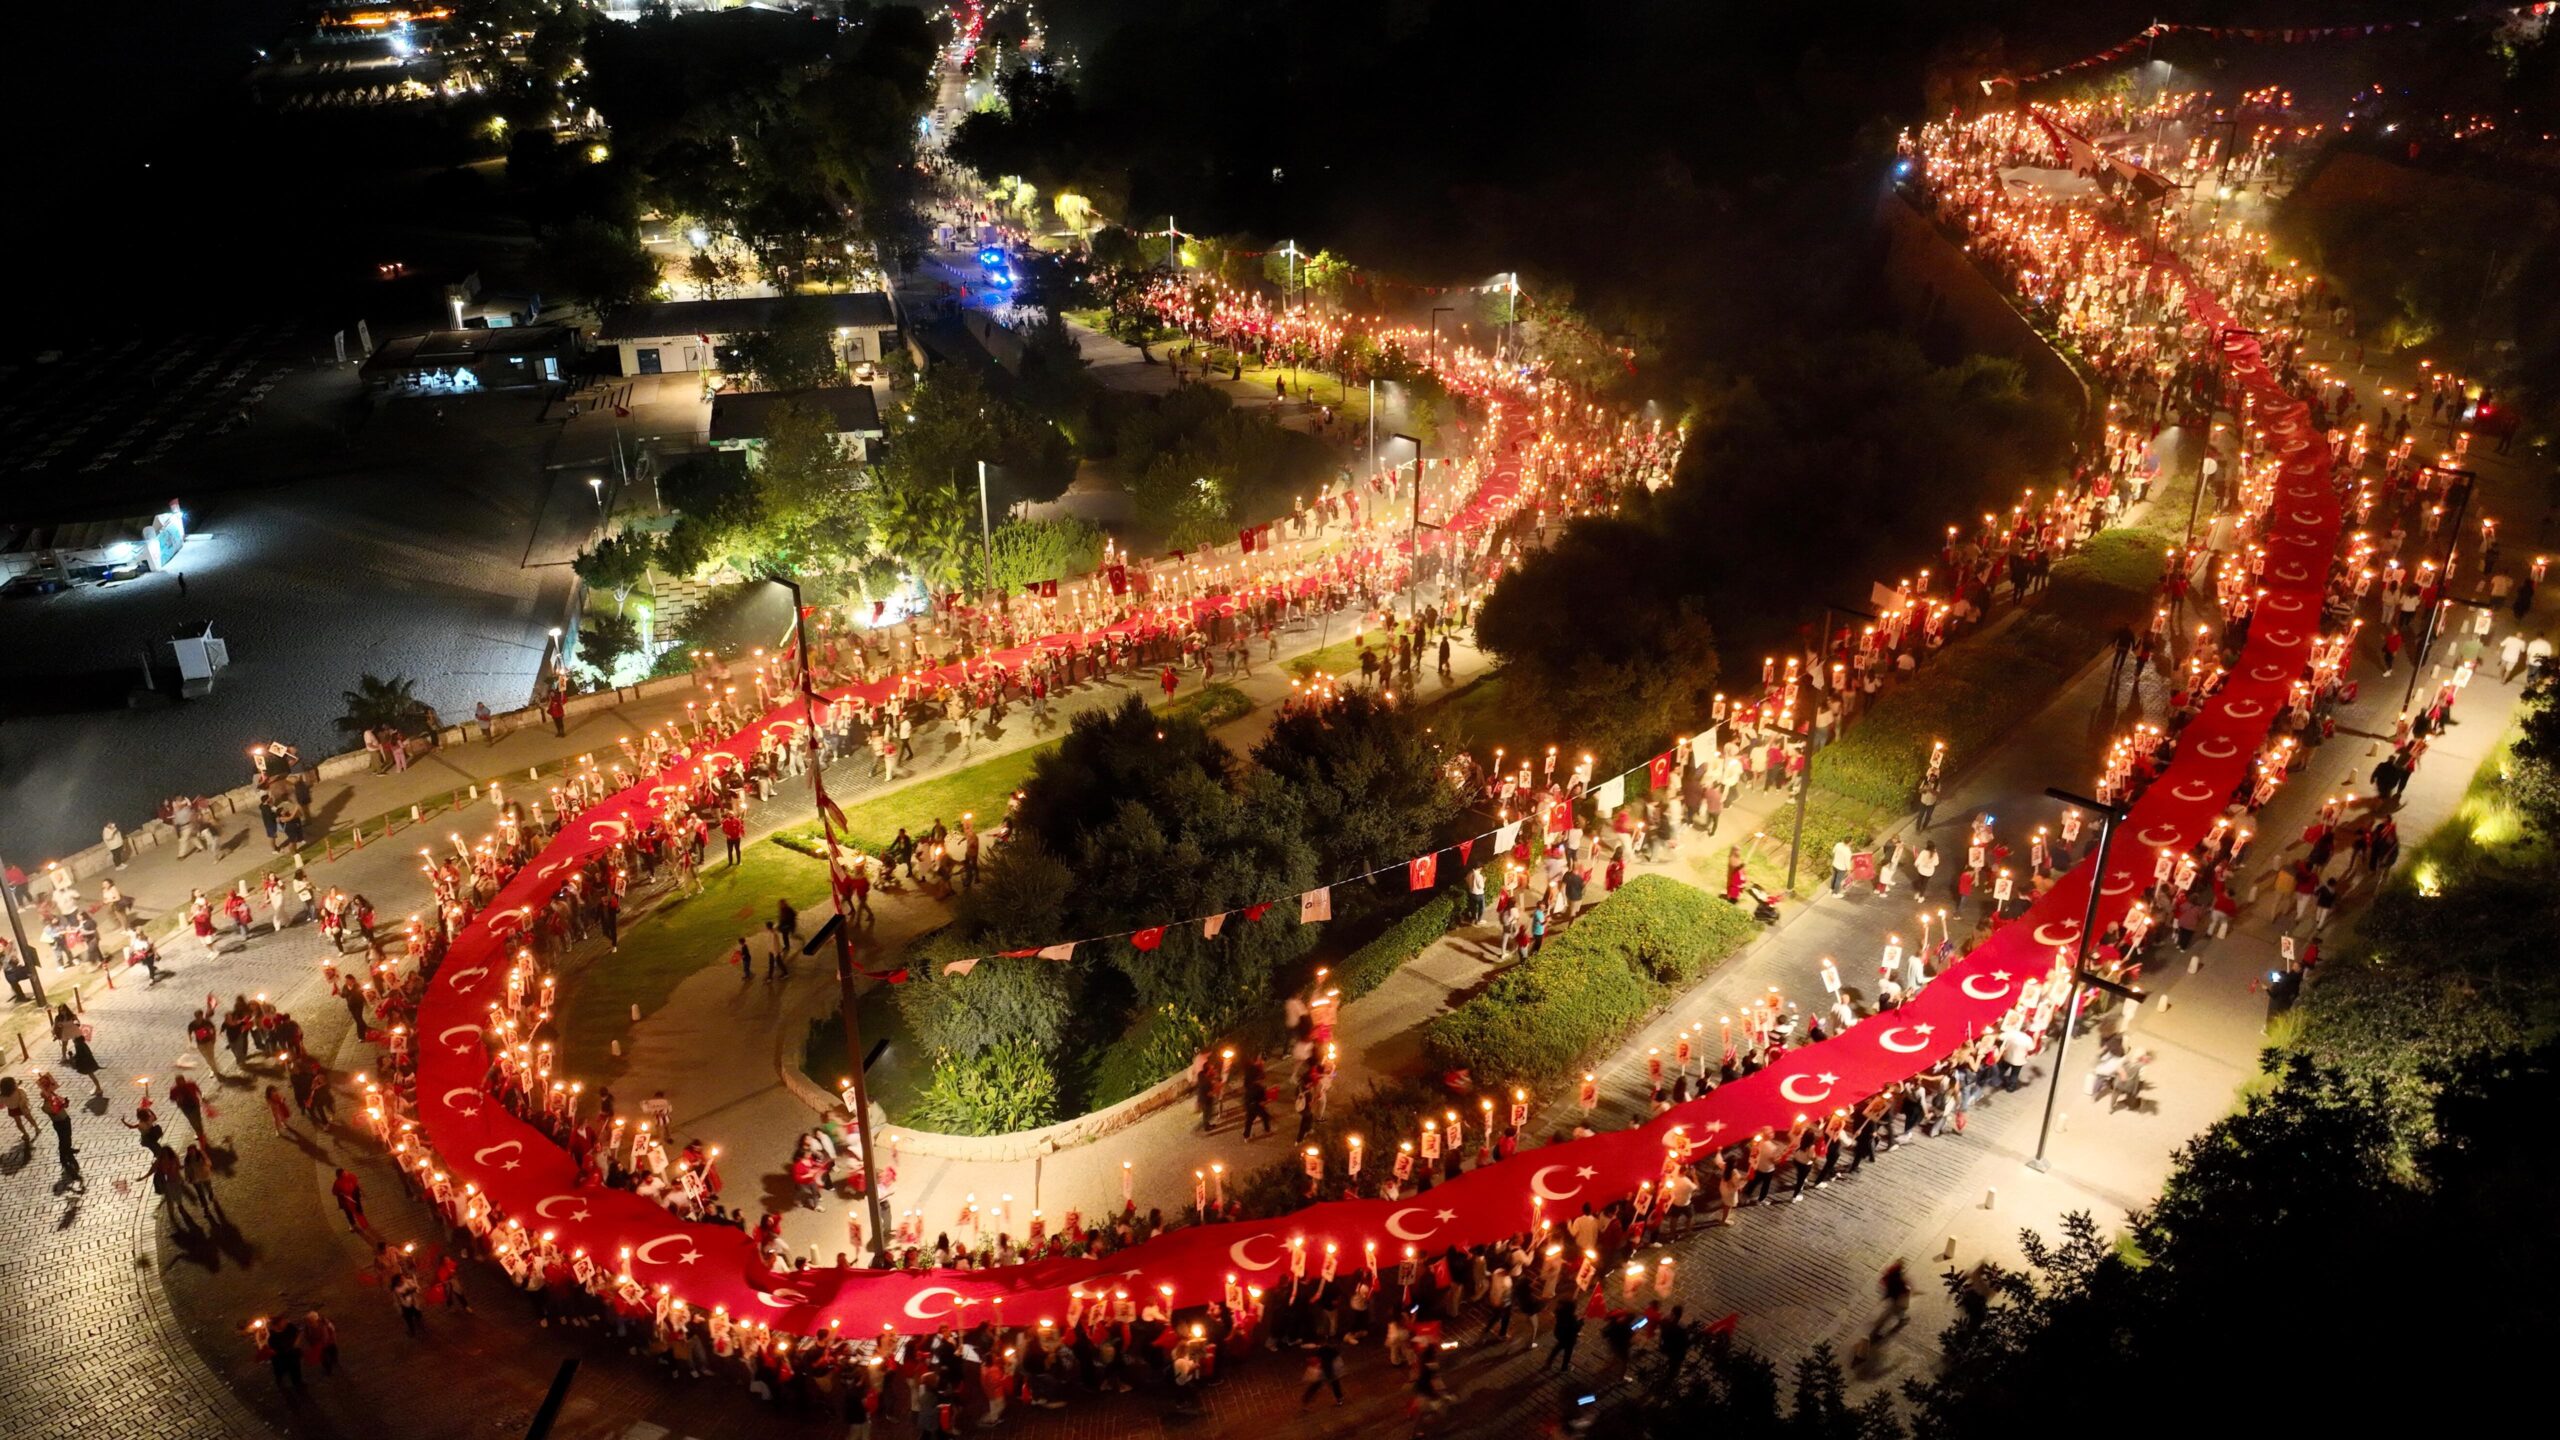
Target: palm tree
377,702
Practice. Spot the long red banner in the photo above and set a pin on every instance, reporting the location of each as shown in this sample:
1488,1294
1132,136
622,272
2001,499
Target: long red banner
532,1179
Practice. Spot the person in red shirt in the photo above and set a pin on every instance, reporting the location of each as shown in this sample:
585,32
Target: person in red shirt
733,831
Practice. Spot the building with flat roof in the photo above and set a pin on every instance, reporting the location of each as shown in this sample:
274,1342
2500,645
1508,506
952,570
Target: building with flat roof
687,335
744,420
457,362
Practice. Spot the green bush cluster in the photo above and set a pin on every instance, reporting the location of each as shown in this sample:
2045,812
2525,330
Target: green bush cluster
996,1091
1368,967
1596,978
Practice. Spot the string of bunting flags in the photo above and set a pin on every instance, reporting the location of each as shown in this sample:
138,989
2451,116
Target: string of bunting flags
2274,35
1315,905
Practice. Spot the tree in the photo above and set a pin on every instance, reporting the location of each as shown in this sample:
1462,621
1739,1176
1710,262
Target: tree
714,272
921,524
952,422
1361,780
811,494
600,262
799,353
2533,782
618,562
603,641
2265,1230
379,701
1029,551
1147,813
1075,212
1605,643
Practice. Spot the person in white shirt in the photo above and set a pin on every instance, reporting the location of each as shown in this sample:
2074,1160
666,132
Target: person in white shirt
2015,1046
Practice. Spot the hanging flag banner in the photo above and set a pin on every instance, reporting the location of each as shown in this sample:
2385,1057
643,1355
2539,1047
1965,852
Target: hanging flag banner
1210,927
1148,939
1424,873
1611,794
1316,905
1059,952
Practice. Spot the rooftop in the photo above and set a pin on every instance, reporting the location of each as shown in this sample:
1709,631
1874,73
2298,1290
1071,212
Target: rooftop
865,310
461,349
749,415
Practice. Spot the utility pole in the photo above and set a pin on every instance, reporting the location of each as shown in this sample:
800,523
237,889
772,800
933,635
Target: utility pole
986,527
1373,425
1413,567
18,932
873,1171
2108,816
2444,579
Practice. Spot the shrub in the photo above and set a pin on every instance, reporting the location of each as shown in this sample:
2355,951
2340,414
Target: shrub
1666,929
1368,967
1540,1017
2105,583
1002,1089
1161,1044
1002,1000
1594,981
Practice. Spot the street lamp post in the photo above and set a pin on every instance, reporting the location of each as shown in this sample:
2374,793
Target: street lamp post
1436,312
2108,817
986,527
845,999
2444,577
1804,783
18,932
1413,565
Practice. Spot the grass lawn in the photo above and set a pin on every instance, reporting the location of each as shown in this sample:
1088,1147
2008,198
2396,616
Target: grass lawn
986,788
1340,658
663,947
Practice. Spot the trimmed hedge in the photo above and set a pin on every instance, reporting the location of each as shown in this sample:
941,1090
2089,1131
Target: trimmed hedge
1368,967
1592,984
1662,928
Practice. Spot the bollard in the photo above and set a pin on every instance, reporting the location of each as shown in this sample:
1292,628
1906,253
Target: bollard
635,1014
414,816
1949,1252
617,1047
475,792
2194,963
359,839
1991,1198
